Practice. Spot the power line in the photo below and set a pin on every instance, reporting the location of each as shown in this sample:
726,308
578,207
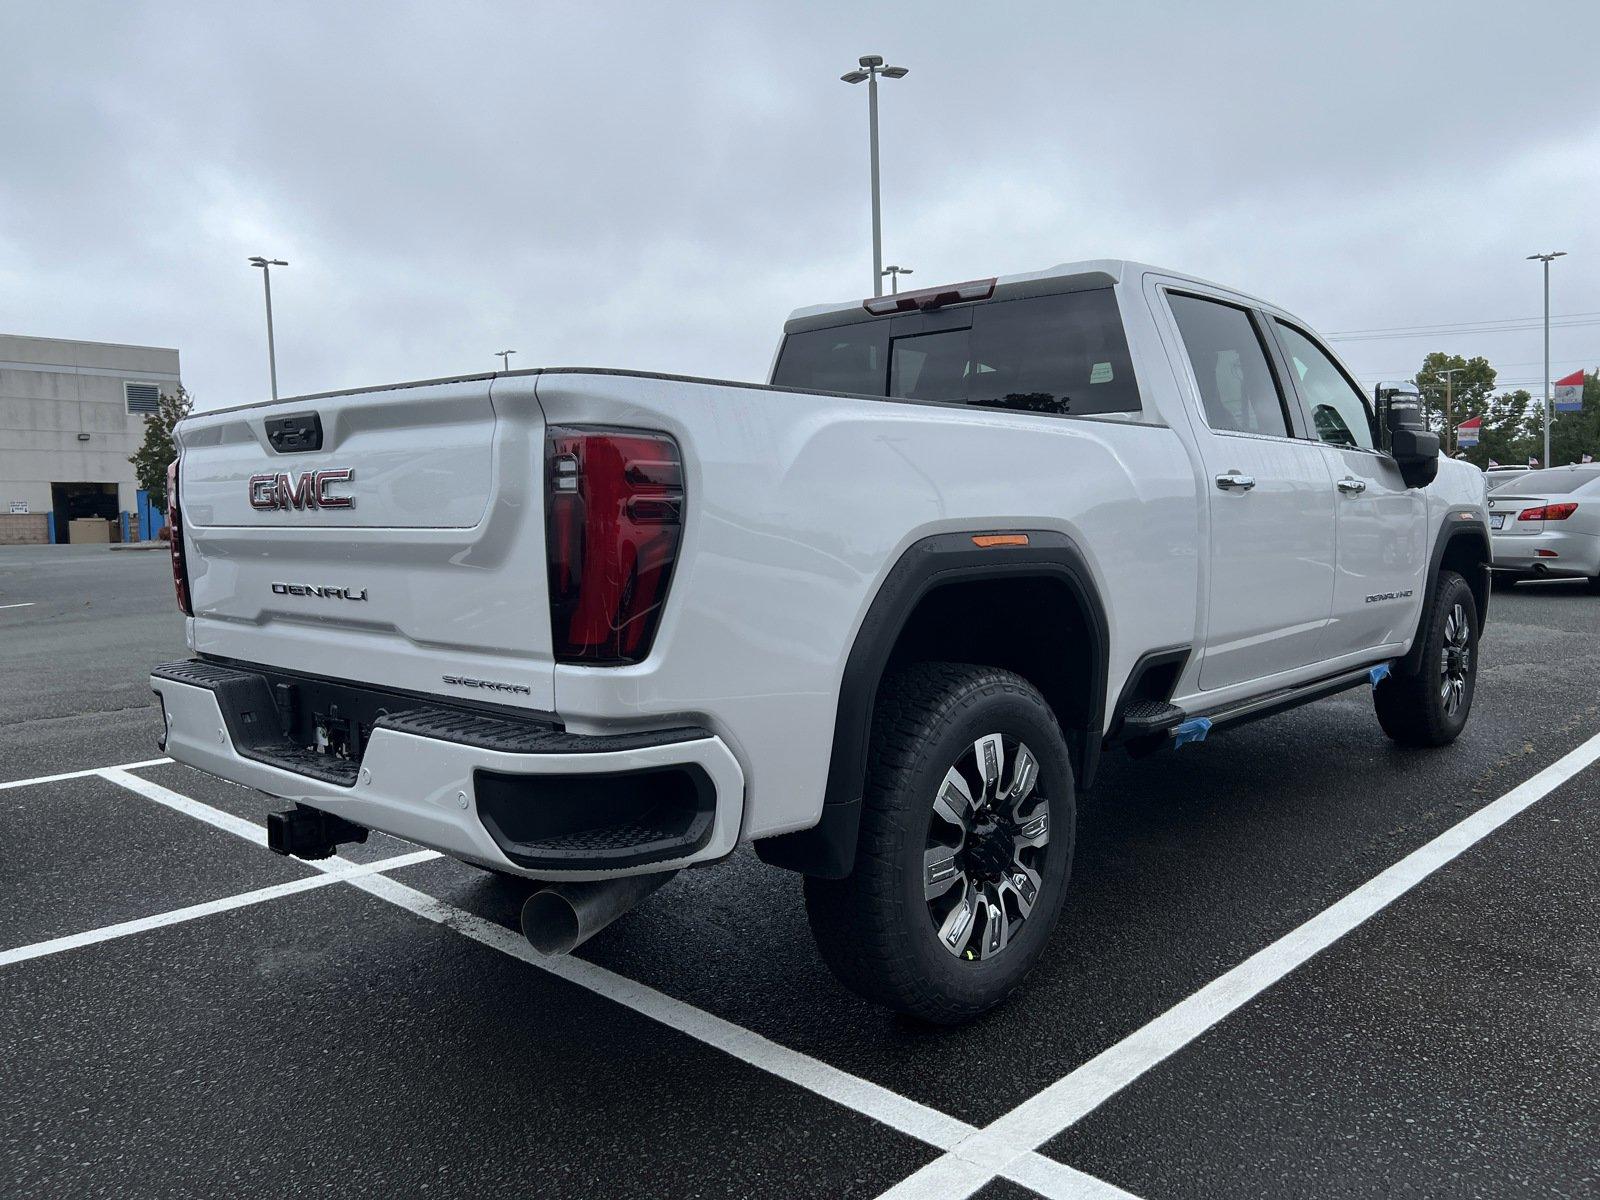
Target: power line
1350,333
1449,331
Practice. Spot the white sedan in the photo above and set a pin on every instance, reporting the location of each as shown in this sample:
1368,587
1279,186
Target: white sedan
1546,524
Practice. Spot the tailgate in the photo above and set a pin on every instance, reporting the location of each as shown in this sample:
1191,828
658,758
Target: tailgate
1503,513
392,536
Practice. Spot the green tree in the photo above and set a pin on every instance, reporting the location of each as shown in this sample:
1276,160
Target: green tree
151,459
1573,434
1503,437
1467,388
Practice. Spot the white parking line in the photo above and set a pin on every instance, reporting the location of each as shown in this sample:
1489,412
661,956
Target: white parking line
194,912
1057,1181
29,604
133,766
999,1146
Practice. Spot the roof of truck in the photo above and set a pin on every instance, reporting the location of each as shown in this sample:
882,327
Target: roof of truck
1094,272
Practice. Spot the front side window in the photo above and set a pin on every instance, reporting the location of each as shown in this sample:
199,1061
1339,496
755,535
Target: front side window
1237,387
1339,412
1064,354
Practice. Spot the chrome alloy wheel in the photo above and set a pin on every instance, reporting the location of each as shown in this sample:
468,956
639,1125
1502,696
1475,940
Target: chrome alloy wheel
1455,665
985,849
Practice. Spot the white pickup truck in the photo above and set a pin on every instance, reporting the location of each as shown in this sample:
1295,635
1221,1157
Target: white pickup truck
879,617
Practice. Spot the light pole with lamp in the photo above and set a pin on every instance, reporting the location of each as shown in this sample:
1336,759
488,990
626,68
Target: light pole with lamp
871,67
505,358
894,273
266,265
1546,259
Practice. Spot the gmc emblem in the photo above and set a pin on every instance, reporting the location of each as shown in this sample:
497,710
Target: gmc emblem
309,490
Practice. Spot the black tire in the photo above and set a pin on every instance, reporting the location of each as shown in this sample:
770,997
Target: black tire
1594,585
1413,707
876,929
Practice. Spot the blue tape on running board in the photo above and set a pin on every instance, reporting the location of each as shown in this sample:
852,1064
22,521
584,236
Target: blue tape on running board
1378,674
1192,730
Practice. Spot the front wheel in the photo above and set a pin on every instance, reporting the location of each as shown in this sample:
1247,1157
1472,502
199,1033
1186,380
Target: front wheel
1430,706
965,846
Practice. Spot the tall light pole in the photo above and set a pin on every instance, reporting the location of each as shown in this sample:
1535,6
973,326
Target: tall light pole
266,265
1548,415
894,273
1449,419
872,67
505,358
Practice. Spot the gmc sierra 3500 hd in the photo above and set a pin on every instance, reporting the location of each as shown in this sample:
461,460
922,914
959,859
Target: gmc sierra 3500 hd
879,617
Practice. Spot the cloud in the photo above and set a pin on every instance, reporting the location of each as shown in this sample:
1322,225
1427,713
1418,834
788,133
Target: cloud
657,186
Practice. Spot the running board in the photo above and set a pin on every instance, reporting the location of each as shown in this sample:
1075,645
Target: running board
1195,728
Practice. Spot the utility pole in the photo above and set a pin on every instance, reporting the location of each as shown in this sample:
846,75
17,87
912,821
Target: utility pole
872,65
266,265
1449,417
1549,416
505,358
894,273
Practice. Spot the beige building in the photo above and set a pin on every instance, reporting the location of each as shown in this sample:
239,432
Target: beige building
70,415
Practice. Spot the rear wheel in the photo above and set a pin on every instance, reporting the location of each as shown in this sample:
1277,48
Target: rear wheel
1430,706
965,846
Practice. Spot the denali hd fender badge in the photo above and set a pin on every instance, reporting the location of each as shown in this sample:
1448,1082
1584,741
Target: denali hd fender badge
308,490
516,689
326,593
1405,595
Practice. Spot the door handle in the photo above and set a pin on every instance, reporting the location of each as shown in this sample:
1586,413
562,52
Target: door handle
1351,487
1235,482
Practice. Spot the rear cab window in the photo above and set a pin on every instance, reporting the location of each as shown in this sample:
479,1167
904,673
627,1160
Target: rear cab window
1064,354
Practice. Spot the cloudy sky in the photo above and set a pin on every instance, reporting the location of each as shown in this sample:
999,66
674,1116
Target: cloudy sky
655,185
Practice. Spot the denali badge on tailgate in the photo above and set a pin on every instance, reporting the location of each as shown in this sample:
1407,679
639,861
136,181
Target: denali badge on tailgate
309,490
326,593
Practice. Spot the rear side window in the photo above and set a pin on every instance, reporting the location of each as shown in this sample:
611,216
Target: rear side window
1063,354
1237,387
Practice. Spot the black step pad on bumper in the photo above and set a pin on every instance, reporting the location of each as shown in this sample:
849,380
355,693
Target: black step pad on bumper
267,714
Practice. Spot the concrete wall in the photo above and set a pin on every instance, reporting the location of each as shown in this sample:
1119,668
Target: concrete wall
51,391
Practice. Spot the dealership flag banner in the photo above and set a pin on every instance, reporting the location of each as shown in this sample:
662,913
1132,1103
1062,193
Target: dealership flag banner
1569,393
1467,432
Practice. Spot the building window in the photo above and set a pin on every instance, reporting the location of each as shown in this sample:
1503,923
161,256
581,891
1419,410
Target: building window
143,398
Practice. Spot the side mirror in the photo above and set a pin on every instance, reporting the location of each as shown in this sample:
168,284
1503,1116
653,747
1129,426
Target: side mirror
1405,433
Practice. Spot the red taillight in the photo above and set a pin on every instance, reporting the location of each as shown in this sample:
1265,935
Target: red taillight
1549,512
613,518
180,566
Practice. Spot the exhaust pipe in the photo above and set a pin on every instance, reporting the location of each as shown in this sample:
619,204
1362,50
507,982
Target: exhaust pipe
561,917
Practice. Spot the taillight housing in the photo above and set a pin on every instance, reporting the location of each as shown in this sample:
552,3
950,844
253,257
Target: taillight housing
613,522
180,565
1548,512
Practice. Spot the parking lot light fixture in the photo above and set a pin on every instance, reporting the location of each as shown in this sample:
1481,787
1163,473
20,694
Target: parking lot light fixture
871,67
1548,415
894,272
505,358
266,265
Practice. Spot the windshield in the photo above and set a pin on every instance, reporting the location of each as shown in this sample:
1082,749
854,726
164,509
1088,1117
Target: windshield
1557,481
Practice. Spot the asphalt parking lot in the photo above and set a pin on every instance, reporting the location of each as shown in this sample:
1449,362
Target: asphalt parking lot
1270,979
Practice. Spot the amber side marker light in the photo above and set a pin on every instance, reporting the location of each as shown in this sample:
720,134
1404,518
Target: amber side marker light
986,540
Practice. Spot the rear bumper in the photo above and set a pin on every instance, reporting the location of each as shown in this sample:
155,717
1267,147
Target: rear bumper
1565,553
511,795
